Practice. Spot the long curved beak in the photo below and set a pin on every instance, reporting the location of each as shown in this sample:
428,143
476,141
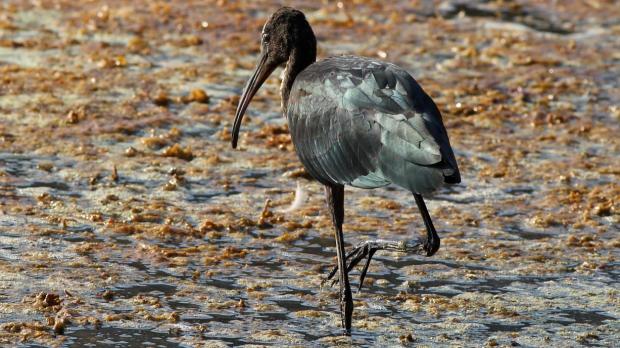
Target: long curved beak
263,70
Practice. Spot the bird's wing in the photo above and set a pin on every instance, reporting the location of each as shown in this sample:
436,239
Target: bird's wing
411,124
356,113
335,145
382,95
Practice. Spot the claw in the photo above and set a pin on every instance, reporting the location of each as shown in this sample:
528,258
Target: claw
363,250
368,249
335,269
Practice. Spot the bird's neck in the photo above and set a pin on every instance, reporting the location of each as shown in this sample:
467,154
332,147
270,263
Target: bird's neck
297,62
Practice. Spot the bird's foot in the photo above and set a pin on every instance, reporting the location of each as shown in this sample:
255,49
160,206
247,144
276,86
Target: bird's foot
346,310
430,245
363,250
368,249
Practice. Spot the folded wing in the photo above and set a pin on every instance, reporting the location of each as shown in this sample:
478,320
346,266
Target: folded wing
368,123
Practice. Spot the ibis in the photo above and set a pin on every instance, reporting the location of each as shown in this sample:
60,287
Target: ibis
354,121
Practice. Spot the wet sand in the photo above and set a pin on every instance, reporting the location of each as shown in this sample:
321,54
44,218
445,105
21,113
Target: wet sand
126,218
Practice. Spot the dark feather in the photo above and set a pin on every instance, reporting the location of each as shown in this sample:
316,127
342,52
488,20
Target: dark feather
367,123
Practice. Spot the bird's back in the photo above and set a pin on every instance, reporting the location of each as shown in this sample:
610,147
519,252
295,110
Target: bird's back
367,123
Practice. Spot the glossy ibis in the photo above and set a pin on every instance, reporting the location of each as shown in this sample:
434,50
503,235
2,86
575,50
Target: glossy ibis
354,121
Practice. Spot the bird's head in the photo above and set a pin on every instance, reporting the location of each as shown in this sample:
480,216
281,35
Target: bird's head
284,33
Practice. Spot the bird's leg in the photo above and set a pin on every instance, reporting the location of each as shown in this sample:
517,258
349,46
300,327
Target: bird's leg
431,244
335,203
425,246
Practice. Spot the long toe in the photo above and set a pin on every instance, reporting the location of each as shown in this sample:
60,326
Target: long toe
371,253
356,255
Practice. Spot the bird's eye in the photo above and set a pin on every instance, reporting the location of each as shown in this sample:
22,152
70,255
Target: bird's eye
265,37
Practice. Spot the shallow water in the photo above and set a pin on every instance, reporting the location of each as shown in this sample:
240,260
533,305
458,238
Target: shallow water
144,242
